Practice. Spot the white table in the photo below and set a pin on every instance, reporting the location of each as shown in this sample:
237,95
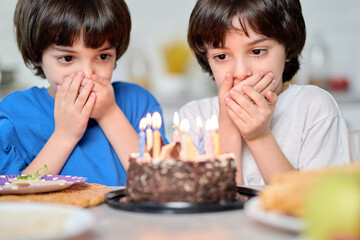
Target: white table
117,224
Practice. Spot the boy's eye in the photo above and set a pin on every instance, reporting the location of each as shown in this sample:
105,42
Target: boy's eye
221,56
258,52
104,56
66,59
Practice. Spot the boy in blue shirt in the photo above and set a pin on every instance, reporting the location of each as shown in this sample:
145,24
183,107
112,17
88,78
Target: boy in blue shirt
82,124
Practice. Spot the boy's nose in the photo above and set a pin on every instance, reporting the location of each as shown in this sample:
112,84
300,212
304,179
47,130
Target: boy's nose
242,70
88,70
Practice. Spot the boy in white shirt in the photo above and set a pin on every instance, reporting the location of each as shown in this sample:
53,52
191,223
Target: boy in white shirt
251,48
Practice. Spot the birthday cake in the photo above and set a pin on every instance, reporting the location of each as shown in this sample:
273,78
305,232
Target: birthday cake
171,178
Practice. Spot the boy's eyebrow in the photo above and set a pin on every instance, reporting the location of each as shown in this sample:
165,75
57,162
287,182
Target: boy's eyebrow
105,48
64,49
258,41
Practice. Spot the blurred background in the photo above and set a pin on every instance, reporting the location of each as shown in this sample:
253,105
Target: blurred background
159,59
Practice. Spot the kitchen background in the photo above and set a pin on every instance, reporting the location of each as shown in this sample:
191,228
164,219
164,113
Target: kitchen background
159,59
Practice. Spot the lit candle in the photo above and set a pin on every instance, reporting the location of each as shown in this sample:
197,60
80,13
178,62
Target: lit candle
216,135
209,137
199,127
149,135
156,124
176,134
142,127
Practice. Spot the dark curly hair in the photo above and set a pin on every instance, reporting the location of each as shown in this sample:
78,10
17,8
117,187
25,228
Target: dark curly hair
281,20
41,23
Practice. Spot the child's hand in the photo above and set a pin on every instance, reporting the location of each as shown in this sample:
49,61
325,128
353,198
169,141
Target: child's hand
105,98
72,109
251,115
225,87
259,81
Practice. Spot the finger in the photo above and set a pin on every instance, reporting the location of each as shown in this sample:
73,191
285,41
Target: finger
234,106
84,95
245,108
256,97
100,84
89,105
270,87
251,81
272,98
227,84
240,124
74,88
65,85
84,82
100,80
262,85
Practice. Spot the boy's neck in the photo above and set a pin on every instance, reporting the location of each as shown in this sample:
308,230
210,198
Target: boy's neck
51,92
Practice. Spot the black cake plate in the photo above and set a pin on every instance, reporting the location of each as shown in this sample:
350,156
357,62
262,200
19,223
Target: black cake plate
116,199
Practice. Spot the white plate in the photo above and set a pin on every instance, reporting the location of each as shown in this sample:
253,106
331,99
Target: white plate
43,221
253,210
6,179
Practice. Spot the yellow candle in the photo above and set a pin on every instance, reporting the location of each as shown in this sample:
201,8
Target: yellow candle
156,124
209,137
149,135
216,136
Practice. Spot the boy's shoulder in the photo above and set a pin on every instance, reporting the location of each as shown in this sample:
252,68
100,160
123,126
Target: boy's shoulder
18,97
128,87
311,93
127,91
313,99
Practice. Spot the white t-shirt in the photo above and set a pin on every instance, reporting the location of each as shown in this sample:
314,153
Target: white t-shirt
307,124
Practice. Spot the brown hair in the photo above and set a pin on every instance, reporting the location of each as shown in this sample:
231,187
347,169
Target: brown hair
41,23
281,20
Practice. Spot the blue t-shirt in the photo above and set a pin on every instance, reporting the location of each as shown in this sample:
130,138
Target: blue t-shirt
27,122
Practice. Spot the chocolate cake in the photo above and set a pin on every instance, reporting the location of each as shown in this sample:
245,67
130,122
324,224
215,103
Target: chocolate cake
172,179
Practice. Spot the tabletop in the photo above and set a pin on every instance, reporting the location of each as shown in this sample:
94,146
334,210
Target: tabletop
227,225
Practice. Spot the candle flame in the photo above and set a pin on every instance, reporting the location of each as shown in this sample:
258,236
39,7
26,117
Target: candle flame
209,125
215,122
199,124
148,119
143,123
156,120
184,125
176,119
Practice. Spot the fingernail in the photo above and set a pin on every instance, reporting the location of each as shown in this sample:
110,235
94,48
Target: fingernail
227,99
245,87
261,73
271,74
232,92
90,82
80,74
72,75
